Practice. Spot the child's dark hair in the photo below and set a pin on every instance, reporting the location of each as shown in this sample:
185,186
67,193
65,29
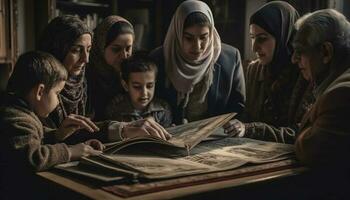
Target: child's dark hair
34,68
117,29
196,18
139,62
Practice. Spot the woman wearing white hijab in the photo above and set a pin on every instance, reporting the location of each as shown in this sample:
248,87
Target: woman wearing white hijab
198,75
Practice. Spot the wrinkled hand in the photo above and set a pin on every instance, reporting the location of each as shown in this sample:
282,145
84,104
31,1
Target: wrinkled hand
95,144
80,150
73,123
143,127
234,128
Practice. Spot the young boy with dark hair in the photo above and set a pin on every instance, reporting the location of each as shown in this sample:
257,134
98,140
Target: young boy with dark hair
25,146
138,78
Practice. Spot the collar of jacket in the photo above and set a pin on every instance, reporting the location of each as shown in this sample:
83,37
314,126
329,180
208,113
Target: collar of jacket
327,83
128,108
213,93
13,100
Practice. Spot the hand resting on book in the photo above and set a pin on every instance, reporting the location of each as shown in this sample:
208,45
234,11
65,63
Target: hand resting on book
72,123
144,127
90,147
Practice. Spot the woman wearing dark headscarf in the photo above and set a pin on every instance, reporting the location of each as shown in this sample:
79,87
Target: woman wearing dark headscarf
113,42
198,75
69,40
276,93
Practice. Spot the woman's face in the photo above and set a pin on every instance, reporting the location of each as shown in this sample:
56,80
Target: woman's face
118,50
263,43
195,41
78,55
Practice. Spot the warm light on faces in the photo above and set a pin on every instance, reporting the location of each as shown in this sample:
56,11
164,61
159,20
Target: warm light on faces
141,88
118,50
195,41
78,55
46,101
263,44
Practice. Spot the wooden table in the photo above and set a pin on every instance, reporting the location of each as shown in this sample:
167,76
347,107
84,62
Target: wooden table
229,183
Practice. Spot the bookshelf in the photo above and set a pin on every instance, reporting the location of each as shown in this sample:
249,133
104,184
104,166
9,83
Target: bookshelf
90,11
8,39
8,31
141,13
150,18
230,21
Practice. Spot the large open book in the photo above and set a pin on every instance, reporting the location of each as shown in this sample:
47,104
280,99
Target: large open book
137,159
184,136
210,156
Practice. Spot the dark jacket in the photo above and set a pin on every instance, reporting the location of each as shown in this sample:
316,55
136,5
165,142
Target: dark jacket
23,149
226,94
23,134
324,138
122,110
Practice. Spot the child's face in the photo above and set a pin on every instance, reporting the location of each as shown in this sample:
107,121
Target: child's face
141,88
48,101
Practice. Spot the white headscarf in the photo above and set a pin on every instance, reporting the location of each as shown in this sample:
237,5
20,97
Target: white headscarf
183,75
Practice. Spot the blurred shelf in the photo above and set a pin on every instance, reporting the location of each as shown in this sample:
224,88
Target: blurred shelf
82,7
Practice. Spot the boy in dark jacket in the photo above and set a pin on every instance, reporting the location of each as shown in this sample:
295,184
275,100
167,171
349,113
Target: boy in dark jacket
138,78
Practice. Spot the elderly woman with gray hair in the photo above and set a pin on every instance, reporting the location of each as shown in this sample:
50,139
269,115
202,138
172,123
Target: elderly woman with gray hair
322,51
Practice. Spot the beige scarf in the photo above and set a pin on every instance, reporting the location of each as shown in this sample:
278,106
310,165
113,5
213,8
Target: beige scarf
183,75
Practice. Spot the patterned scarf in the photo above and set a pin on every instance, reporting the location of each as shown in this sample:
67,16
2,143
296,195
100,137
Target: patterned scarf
73,97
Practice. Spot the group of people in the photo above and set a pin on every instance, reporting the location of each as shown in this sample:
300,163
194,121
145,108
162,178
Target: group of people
63,102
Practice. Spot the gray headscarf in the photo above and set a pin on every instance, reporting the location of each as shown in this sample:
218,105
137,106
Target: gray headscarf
183,75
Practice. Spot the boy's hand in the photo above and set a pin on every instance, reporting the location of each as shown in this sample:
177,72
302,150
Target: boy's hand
95,144
73,123
143,127
80,150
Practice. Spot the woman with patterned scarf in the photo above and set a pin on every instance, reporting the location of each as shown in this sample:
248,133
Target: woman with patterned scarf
113,42
277,96
198,75
69,40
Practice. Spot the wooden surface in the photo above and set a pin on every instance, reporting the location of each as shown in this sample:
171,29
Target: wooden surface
89,191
